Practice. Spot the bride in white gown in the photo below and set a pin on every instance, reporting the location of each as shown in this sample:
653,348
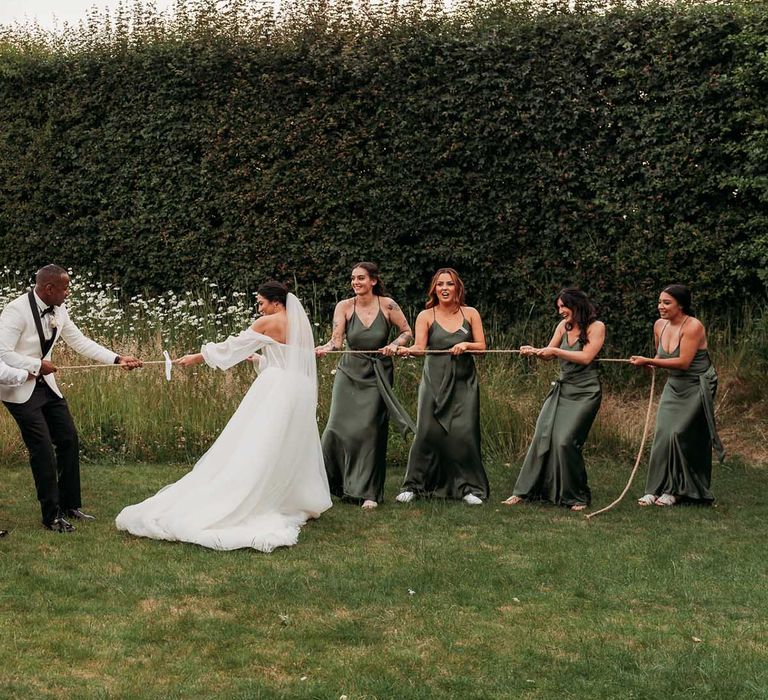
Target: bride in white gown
264,476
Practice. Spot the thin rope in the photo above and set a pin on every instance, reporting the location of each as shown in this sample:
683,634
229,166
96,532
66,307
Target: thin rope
466,352
368,352
639,452
150,362
425,352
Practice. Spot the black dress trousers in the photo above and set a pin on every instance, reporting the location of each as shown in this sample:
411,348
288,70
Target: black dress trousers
50,435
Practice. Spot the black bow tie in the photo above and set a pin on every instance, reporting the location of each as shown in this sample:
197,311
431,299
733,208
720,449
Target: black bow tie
46,310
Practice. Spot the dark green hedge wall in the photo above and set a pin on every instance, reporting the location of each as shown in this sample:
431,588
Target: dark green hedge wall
615,148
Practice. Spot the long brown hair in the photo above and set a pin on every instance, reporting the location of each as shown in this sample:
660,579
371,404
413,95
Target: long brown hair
373,272
582,309
432,299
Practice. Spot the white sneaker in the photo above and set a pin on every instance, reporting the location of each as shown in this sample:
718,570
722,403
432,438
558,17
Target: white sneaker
405,497
369,505
666,499
472,500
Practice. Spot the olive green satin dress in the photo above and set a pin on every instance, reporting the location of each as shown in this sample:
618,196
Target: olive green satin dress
362,403
445,460
554,469
681,455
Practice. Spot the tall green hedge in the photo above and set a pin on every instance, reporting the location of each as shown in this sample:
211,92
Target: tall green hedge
614,147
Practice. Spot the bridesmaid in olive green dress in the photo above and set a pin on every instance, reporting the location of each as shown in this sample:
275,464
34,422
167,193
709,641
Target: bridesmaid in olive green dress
681,456
445,460
362,403
554,470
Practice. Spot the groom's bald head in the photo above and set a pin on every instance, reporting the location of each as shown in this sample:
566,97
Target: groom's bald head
52,284
49,273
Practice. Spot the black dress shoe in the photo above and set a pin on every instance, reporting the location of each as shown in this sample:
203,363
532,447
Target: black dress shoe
78,514
60,525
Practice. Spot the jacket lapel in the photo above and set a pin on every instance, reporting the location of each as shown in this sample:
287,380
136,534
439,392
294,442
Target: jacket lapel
45,345
49,343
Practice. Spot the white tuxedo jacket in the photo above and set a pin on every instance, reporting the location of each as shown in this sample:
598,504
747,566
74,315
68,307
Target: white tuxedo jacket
20,346
11,375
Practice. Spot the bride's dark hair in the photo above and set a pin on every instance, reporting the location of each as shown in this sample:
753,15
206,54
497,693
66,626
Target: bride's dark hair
273,291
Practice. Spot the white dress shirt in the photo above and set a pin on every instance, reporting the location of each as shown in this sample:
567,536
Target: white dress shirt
44,320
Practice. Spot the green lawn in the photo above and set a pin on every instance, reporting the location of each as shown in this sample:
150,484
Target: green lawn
427,600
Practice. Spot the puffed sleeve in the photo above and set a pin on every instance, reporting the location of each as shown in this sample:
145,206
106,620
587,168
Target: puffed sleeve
234,349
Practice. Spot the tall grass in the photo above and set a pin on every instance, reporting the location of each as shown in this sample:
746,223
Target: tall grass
139,416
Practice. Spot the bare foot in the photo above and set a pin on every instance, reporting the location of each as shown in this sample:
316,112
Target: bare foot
369,505
576,507
513,501
648,500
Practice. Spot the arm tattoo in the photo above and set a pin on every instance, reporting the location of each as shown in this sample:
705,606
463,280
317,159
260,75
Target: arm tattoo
392,306
332,343
403,338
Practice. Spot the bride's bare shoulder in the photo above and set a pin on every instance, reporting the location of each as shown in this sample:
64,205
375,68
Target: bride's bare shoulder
275,326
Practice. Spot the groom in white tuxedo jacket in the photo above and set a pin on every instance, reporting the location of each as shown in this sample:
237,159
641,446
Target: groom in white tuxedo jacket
29,328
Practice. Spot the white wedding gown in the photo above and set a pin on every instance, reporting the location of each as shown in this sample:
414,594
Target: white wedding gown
264,476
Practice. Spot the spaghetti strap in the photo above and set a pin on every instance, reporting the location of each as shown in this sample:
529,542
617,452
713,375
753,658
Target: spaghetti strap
462,312
680,333
661,335
387,320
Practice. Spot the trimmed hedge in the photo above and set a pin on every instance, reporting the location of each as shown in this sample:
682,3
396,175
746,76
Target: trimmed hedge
612,147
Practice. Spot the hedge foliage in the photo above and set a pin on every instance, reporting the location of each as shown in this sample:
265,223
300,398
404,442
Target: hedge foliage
614,147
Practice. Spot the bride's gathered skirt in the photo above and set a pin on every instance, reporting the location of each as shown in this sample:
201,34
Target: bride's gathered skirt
259,482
